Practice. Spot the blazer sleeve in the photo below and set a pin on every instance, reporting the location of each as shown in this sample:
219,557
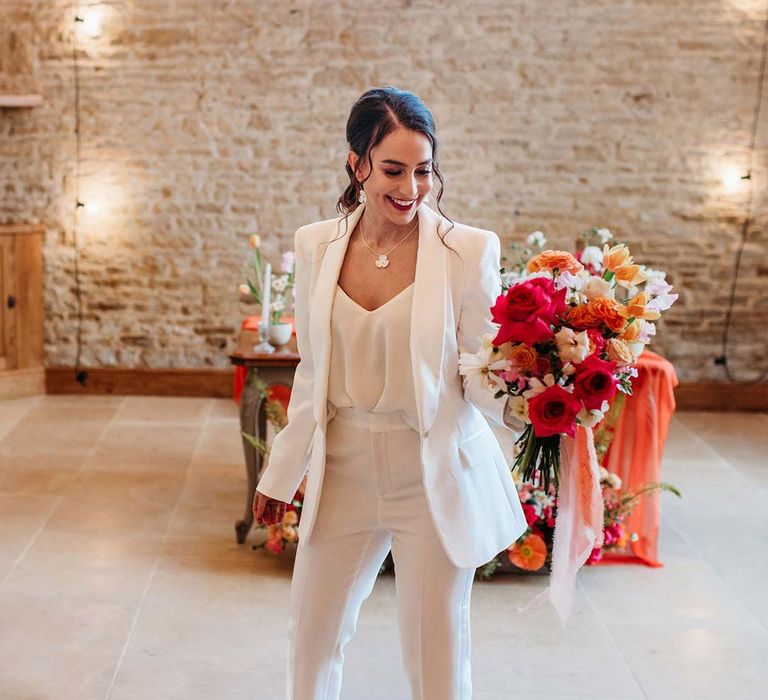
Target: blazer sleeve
481,287
290,450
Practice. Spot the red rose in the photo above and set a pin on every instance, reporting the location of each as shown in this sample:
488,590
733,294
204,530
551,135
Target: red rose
522,302
594,381
525,301
553,411
528,332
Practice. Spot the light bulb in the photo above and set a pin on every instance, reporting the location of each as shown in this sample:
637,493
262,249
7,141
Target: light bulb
93,208
732,179
92,23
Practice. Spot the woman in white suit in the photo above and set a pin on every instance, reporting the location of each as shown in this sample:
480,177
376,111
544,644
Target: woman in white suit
396,443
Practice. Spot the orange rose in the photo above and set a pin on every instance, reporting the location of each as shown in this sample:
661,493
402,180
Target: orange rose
616,257
608,312
523,356
619,352
530,554
580,317
549,260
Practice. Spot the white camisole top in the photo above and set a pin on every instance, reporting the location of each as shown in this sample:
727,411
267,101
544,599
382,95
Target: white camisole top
370,364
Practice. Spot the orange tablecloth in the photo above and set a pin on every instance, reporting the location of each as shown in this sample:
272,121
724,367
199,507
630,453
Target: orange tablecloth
635,454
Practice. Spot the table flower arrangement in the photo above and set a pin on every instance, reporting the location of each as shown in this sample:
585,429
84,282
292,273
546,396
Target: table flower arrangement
281,288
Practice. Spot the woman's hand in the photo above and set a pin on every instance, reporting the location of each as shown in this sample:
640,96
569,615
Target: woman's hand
266,510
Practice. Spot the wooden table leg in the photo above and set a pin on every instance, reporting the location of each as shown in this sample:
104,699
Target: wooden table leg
252,421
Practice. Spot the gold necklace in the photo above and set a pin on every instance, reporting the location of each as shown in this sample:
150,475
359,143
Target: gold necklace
381,258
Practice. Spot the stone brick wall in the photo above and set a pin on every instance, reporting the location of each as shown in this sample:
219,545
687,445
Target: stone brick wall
205,122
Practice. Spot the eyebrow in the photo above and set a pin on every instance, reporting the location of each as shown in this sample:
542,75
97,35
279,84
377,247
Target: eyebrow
397,162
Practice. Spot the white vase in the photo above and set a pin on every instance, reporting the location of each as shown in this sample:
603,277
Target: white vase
280,333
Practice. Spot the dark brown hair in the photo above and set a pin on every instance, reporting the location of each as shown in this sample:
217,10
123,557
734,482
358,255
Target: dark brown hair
376,113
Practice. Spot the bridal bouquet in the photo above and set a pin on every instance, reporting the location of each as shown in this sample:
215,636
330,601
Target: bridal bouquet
569,335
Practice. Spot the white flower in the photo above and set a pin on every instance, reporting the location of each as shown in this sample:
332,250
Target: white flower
589,418
512,277
597,287
542,499
518,408
287,261
277,305
568,279
604,235
244,289
661,299
571,346
484,364
537,386
536,239
652,275
592,255
280,283
647,329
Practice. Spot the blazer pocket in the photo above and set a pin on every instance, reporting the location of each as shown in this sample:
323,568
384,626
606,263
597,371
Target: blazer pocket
474,449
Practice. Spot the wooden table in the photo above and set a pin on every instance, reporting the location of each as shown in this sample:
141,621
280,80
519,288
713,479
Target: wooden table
276,368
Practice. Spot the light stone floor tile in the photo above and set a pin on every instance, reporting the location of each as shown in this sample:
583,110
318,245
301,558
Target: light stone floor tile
120,576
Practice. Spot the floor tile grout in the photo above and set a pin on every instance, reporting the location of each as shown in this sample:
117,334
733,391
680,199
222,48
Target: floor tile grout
153,571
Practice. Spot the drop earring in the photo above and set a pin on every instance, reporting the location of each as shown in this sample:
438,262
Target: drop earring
361,197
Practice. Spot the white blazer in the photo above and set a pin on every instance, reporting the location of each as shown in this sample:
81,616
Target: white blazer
471,495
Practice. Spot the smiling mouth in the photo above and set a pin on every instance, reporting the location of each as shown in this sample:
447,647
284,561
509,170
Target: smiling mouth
401,204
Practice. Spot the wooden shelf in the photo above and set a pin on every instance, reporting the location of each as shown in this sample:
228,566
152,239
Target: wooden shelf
20,229
21,100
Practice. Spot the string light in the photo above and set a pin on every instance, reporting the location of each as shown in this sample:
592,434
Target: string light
723,357
733,180
81,375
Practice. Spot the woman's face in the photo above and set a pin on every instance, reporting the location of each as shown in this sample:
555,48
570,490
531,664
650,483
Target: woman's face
402,170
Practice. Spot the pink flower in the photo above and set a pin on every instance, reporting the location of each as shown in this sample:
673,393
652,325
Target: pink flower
612,534
553,411
594,382
597,338
595,555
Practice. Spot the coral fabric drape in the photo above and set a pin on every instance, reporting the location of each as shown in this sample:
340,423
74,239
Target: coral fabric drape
635,454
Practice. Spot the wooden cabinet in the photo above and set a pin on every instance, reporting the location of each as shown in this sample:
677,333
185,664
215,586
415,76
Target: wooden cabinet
21,311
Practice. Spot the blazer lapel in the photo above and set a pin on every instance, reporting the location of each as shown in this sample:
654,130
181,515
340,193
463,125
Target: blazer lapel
428,316
430,296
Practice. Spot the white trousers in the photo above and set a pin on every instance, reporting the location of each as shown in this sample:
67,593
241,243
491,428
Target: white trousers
372,499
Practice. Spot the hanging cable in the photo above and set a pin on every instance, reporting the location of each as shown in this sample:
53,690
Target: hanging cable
723,358
80,375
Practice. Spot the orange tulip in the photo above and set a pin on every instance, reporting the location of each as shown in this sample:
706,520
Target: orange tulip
629,275
631,333
616,257
635,308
